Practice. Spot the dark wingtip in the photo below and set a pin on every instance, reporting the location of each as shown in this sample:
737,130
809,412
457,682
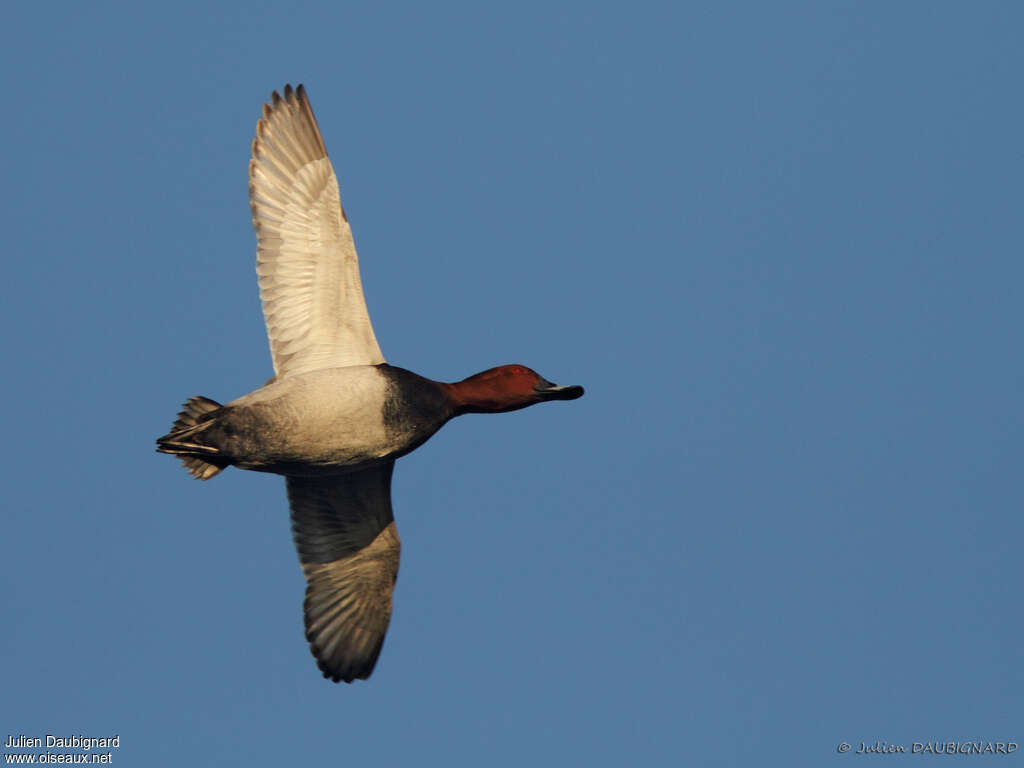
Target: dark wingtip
347,676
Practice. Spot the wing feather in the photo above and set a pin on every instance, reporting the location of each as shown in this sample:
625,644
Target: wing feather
349,548
307,265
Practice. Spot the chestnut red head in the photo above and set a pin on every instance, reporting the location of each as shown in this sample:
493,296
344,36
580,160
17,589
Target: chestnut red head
507,388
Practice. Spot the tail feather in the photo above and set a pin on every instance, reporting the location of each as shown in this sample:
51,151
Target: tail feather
185,439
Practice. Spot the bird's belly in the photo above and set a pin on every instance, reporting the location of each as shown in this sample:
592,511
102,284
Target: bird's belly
314,442
303,432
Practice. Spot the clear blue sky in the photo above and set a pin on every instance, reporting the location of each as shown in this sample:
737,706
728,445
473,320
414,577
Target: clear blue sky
779,243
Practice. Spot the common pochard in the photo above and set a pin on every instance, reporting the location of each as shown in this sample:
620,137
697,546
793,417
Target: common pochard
335,416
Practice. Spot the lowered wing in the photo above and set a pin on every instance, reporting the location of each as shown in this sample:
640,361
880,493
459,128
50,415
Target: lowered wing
348,545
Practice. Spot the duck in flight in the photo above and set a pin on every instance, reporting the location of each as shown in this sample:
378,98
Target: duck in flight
335,416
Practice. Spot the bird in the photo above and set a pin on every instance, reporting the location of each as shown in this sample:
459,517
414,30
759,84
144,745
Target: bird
336,415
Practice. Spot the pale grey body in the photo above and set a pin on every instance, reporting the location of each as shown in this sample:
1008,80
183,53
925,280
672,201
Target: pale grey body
289,427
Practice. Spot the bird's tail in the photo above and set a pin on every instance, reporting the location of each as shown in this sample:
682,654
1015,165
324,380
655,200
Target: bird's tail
185,440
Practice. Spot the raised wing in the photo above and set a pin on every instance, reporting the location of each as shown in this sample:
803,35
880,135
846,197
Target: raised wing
348,546
308,269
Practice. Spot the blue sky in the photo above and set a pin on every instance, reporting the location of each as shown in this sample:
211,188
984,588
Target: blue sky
780,245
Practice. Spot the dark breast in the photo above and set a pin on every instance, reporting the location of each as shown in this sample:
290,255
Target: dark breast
414,408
